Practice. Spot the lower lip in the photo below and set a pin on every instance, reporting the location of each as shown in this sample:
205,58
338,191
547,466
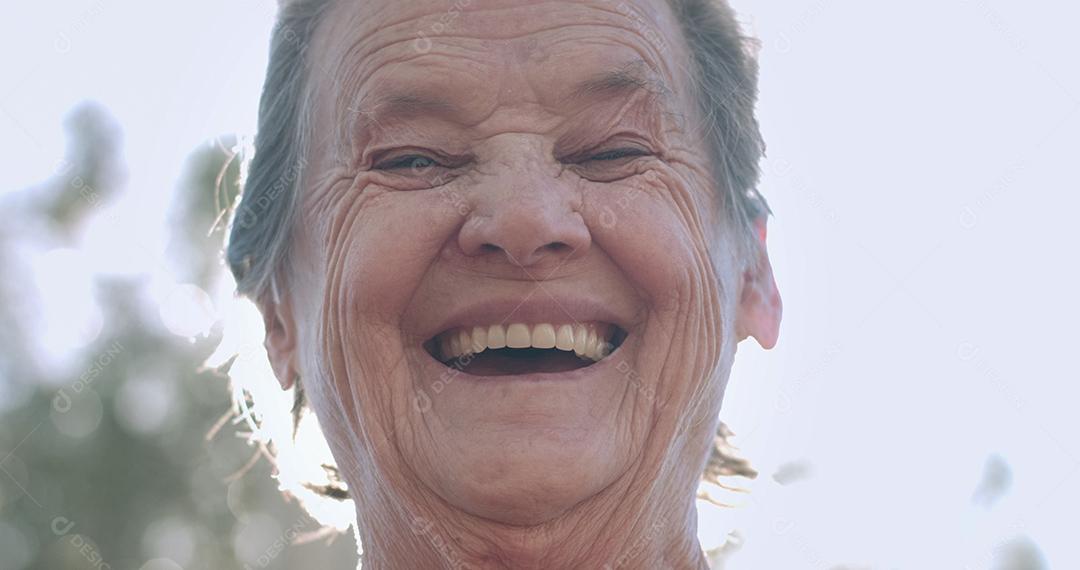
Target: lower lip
446,373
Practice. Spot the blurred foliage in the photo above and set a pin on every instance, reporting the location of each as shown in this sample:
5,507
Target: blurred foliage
90,174
106,460
207,189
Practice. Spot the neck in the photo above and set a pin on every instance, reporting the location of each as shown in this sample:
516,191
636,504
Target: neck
616,530
659,542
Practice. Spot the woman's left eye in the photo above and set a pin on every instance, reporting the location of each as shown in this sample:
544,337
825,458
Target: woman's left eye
617,153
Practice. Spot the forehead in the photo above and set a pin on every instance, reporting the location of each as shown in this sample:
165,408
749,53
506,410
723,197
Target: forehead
486,53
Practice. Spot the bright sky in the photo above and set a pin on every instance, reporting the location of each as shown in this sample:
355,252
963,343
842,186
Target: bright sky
918,169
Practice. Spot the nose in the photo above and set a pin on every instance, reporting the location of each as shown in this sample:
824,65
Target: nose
528,226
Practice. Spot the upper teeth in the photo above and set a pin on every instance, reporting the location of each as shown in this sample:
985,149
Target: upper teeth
590,340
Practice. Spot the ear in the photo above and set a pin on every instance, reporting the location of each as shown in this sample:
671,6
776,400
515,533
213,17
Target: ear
760,307
280,341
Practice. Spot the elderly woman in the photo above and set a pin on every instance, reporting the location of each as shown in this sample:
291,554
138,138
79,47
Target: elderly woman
507,249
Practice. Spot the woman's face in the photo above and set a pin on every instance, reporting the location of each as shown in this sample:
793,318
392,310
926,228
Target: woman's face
507,174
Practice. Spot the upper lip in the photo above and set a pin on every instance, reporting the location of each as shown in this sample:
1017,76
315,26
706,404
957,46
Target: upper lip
540,307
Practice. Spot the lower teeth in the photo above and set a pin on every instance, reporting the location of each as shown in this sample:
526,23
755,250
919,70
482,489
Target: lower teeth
602,351
495,362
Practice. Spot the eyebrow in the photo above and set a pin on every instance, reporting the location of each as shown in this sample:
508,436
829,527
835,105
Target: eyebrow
629,78
369,111
626,80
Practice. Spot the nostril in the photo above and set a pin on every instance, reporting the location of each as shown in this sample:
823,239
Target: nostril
525,256
558,247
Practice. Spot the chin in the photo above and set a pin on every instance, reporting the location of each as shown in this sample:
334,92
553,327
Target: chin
538,485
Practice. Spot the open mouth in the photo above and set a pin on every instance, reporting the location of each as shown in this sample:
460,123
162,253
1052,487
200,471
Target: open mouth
520,348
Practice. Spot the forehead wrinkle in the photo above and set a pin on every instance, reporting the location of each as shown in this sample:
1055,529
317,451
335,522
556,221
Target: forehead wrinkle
364,95
627,80
357,69
372,36
355,116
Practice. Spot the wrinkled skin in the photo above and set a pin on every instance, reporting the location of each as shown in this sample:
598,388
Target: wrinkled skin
448,471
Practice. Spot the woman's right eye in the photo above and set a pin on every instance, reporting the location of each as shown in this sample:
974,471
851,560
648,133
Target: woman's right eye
416,162
415,169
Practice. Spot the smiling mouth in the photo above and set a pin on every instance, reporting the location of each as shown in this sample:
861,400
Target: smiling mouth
520,348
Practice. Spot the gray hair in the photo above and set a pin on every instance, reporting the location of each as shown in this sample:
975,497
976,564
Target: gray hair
723,69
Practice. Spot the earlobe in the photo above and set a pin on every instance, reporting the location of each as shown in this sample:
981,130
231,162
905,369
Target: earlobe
280,340
760,307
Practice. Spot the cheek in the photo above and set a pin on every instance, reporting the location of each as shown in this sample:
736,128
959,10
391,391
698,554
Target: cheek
652,227
376,246
381,242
